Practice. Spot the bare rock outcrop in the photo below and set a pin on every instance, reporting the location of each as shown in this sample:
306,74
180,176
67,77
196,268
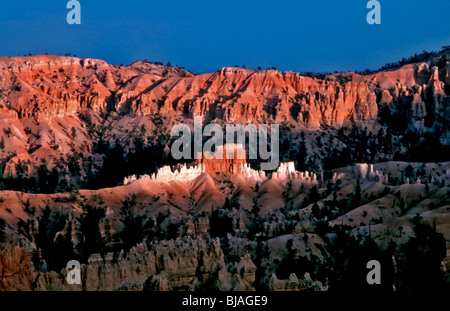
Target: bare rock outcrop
50,106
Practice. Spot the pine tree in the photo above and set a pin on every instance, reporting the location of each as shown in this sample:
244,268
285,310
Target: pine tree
93,242
255,208
2,230
74,132
315,211
314,195
357,195
132,232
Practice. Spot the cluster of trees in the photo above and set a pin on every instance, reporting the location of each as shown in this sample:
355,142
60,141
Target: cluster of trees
362,146
419,261
57,246
119,161
45,180
414,266
168,64
440,62
422,147
346,267
135,226
417,264
424,56
146,153
221,223
294,263
55,250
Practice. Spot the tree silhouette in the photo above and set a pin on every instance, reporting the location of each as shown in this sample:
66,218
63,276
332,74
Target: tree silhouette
420,261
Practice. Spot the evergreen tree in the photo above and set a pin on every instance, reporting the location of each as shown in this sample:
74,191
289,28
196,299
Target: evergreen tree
314,195
421,257
93,242
301,157
2,230
357,195
316,213
133,224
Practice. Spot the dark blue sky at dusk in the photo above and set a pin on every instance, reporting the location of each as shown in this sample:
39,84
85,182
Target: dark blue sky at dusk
201,35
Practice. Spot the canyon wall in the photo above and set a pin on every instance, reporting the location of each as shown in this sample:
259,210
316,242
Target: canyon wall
52,106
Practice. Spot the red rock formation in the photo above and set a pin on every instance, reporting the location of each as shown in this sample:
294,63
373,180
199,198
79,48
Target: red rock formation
232,158
42,97
48,86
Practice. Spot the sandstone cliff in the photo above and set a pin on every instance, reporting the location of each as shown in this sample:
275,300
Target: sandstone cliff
60,108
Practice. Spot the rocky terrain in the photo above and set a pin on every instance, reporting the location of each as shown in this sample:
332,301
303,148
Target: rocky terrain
86,174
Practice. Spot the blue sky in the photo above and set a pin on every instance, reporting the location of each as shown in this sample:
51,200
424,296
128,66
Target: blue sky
204,35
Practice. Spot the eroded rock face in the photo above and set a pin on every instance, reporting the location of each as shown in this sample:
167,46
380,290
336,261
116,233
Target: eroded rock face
230,247
44,87
50,106
15,268
53,113
182,264
295,284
